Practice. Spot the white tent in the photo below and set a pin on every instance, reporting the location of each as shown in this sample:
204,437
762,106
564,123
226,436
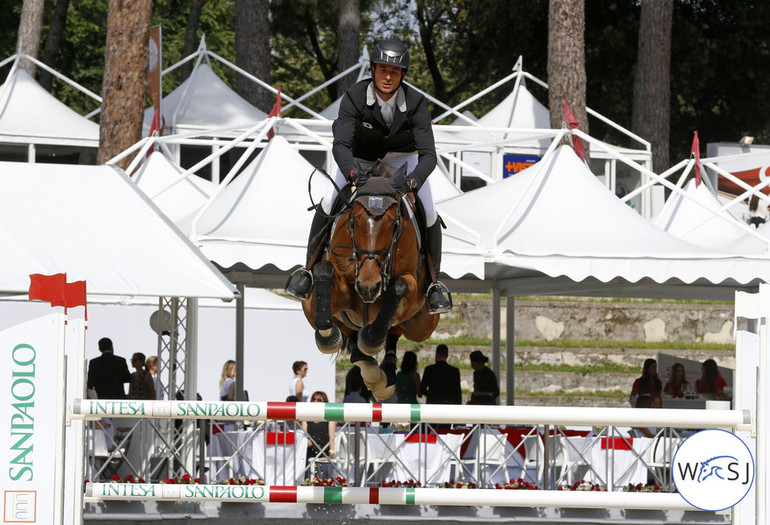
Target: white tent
158,177
519,110
29,114
92,223
554,228
696,215
204,101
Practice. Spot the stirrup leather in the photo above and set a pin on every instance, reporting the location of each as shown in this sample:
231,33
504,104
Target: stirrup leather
299,273
442,288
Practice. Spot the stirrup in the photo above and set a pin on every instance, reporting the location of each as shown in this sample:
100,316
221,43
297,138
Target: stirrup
295,285
445,294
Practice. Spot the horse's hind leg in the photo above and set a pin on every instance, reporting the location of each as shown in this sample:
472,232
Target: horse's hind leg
374,377
371,338
328,337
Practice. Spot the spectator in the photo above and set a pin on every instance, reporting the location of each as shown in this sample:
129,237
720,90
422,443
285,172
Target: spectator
356,387
441,381
320,433
141,386
356,372
486,390
227,381
297,385
711,383
408,379
152,366
648,401
649,383
677,384
108,372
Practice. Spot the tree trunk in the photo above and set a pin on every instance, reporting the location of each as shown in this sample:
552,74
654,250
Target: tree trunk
125,76
651,107
30,27
53,41
348,42
191,37
566,61
252,51
426,22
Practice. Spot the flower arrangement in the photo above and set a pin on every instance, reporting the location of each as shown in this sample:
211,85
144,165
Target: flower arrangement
325,482
649,487
411,484
186,479
243,480
128,479
518,484
584,486
457,485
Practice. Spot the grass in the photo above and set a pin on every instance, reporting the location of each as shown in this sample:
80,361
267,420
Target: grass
459,297
614,394
467,340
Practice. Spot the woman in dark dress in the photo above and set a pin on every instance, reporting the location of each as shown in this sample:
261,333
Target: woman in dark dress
142,386
486,391
321,433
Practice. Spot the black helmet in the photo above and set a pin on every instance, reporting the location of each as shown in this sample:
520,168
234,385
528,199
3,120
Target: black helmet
390,52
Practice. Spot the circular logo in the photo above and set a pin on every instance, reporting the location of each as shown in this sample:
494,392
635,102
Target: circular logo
713,470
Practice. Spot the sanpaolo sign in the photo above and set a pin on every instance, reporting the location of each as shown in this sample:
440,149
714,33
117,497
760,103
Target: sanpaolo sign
713,470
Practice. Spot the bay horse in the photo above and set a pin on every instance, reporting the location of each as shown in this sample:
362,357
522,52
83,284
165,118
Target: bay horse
370,282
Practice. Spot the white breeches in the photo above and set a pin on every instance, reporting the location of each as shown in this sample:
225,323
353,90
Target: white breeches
394,161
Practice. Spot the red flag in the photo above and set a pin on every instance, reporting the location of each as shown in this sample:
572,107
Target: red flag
569,118
154,126
76,296
274,113
696,152
50,288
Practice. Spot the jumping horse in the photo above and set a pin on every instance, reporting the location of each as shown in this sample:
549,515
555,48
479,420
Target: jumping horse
370,282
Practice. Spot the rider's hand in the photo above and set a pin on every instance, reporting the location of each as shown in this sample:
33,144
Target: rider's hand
402,185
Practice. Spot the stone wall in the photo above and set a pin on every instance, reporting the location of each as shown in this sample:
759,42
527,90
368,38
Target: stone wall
548,320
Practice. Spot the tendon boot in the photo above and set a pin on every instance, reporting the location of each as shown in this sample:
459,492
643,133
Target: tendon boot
300,282
437,299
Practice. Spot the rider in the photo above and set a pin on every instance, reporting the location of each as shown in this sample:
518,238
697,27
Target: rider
382,119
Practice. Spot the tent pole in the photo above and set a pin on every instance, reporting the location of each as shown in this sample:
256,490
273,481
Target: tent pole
496,307
510,358
239,333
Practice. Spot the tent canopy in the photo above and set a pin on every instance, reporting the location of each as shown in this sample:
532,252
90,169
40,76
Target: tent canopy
554,228
92,223
204,101
157,177
28,113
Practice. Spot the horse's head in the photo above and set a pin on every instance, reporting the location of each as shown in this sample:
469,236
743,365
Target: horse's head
375,225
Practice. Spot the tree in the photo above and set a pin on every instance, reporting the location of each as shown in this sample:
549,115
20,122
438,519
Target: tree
125,76
30,27
651,106
252,51
348,42
191,36
53,41
566,61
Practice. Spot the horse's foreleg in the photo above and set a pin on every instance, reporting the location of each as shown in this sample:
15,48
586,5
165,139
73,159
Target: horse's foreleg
328,337
371,338
374,377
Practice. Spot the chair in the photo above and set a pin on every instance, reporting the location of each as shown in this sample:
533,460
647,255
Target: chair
378,457
534,451
454,443
345,462
490,452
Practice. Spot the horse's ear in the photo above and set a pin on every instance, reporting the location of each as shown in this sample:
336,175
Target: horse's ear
399,176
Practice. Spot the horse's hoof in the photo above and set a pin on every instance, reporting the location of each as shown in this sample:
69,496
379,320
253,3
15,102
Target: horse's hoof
329,344
384,393
367,345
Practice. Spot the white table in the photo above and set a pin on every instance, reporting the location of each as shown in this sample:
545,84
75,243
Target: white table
278,458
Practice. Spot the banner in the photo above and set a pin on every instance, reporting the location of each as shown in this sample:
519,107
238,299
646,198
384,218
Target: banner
32,421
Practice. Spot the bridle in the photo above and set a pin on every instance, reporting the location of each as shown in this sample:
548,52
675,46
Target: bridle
360,255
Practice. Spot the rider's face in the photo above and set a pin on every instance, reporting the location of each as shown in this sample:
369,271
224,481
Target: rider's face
387,78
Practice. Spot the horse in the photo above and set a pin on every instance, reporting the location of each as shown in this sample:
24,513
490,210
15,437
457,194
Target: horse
370,282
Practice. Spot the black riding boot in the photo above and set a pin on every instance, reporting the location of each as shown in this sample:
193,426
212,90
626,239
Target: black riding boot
437,299
300,283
